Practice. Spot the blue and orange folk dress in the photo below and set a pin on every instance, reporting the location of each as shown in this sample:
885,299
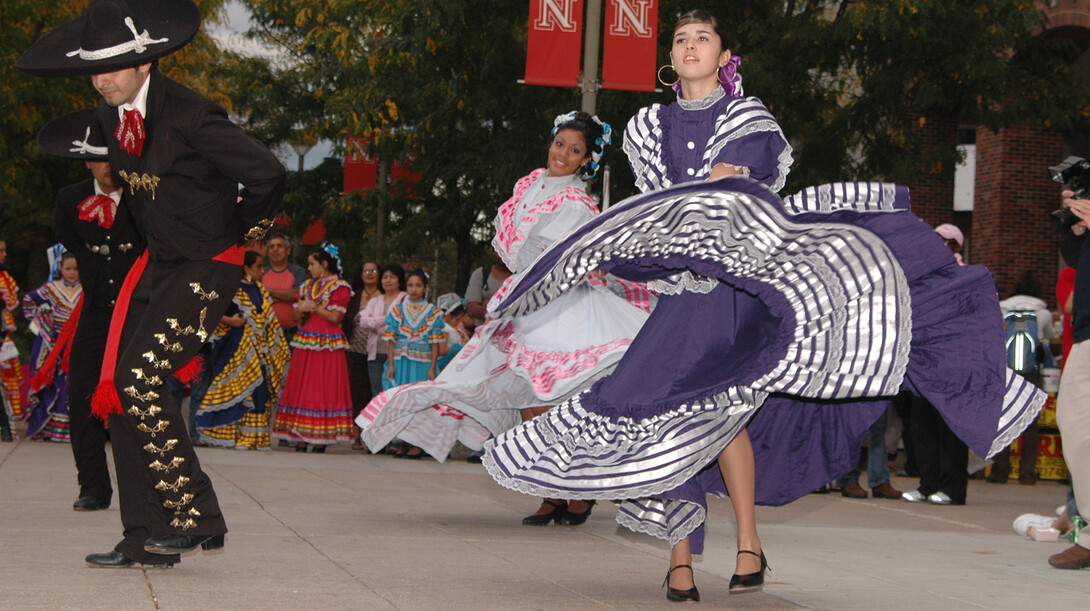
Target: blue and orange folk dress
413,326
316,405
248,368
49,307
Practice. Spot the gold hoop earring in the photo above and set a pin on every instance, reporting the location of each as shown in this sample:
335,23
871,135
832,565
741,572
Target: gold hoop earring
659,76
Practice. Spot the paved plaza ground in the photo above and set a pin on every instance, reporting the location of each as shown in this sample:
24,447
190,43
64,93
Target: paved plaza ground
347,530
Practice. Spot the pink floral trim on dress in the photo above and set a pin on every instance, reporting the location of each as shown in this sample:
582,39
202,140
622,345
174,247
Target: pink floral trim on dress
511,232
546,368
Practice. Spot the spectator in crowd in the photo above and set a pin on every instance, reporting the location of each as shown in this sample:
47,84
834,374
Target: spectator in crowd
1073,399
414,332
11,369
942,458
282,280
50,307
455,321
877,467
249,356
1065,291
364,290
1025,299
373,320
316,405
483,282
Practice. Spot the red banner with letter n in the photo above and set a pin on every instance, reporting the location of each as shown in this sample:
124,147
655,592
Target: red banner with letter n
555,43
628,56
360,170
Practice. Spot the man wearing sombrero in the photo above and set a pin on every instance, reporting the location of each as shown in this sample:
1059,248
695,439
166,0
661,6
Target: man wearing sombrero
180,161
93,224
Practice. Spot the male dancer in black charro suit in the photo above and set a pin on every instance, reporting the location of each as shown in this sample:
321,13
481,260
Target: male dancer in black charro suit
180,160
93,224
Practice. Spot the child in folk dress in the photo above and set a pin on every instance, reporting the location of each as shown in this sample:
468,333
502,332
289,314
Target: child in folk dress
316,406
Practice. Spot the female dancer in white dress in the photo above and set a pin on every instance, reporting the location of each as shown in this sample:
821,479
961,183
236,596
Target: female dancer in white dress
535,361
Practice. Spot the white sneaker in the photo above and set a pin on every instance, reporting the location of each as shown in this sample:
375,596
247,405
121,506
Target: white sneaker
1028,522
940,498
913,496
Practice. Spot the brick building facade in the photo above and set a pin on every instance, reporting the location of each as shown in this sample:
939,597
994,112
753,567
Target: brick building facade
1008,229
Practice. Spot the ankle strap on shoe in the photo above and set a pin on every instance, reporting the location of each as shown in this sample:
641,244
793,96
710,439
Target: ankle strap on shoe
674,568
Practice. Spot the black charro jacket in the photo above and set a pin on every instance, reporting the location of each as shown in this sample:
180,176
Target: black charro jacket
182,190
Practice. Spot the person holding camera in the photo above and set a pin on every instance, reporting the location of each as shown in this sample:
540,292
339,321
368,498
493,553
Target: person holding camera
1073,400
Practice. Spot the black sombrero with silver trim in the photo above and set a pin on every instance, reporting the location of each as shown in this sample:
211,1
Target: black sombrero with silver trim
74,136
112,35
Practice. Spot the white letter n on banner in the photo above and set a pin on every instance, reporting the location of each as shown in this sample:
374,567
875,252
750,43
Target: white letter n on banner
631,17
557,15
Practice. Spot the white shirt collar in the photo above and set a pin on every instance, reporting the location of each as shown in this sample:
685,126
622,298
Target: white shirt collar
115,195
140,103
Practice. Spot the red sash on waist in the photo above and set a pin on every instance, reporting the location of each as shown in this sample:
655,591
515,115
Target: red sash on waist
106,400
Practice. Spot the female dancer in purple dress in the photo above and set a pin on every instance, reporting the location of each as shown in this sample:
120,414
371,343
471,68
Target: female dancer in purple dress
787,321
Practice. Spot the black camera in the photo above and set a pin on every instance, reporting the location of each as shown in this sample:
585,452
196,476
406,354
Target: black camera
1074,170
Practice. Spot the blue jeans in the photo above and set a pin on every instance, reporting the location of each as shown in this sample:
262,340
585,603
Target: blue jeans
877,459
374,371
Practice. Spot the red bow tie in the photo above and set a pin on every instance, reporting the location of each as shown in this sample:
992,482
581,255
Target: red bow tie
98,209
130,132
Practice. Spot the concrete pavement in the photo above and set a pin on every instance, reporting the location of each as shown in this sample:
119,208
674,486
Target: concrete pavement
348,530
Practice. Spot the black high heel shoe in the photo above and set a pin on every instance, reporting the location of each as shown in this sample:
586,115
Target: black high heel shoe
541,520
750,582
692,595
567,518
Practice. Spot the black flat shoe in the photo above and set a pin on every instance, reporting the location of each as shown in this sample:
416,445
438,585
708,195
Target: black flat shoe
302,447
319,449
568,518
89,503
117,560
542,519
414,453
692,595
176,544
750,582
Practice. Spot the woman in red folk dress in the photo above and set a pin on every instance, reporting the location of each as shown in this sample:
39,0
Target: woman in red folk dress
316,407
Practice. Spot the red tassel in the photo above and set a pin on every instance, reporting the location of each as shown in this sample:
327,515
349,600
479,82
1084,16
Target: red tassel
190,370
105,401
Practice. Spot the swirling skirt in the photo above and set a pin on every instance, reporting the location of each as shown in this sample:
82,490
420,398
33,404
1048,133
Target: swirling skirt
536,360
798,319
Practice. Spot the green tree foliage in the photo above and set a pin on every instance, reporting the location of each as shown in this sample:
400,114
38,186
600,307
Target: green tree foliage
433,84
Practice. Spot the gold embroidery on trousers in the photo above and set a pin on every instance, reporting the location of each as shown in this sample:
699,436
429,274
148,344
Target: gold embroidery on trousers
192,512
152,380
201,333
138,181
182,502
151,395
186,525
173,464
141,414
165,343
168,446
175,487
179,329
158,364
153,430
197,290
